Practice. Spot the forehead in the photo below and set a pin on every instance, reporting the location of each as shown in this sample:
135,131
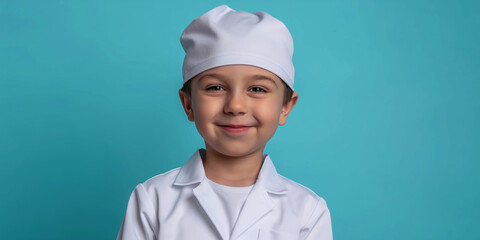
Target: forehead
239,72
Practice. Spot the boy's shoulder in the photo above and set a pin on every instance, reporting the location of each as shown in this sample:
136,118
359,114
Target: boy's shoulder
300,189
162,180
302,196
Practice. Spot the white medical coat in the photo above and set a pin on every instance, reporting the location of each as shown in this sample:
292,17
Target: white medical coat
181,205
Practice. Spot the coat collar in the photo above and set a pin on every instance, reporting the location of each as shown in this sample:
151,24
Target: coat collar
193,172
257,205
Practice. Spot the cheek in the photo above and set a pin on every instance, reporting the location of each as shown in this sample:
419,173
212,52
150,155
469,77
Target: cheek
269,113
205,109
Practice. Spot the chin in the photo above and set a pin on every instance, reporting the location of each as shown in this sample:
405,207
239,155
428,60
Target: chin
235,151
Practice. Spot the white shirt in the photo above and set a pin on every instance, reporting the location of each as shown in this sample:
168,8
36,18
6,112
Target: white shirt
182,205
231,201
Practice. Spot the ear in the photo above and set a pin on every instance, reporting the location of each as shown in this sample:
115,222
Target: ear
287,108
187,105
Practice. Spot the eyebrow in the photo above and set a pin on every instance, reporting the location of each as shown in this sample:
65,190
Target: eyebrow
214,75
263,77
254,77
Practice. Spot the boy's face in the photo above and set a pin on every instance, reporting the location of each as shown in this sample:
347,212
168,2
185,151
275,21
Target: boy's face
237,108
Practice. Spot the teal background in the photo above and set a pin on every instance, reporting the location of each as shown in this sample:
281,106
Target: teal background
386,128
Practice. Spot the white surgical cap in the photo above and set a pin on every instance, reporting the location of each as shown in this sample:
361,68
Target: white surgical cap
223,36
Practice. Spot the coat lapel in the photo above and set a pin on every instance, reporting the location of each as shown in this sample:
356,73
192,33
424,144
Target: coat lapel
193,173
258,204
210,202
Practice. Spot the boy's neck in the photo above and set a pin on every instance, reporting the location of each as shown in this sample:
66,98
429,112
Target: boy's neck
232,171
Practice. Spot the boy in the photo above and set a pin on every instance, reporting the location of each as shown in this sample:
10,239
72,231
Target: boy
238,87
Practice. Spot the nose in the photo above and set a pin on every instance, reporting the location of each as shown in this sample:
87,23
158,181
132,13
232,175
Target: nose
235,104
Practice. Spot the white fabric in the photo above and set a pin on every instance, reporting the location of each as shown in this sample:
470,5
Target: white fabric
181,205
231,201
223,36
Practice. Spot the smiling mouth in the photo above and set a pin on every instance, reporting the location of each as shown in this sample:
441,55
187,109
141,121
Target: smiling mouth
235,129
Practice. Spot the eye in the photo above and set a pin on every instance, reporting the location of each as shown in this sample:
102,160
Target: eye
215,88
258,90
